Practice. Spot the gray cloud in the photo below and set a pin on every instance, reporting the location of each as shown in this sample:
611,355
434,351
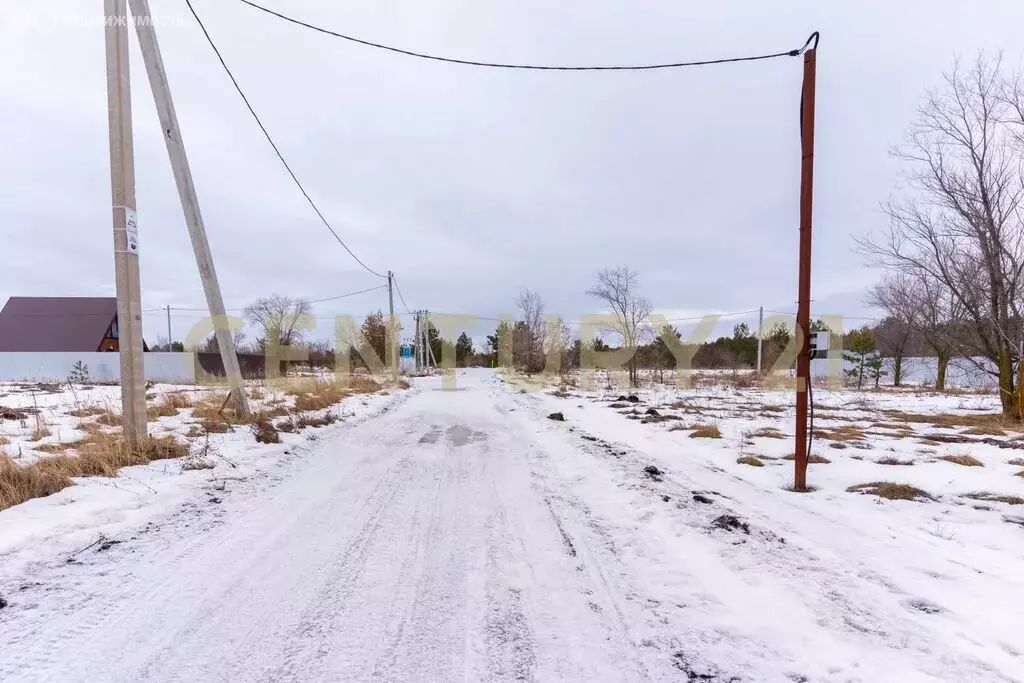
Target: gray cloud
471,183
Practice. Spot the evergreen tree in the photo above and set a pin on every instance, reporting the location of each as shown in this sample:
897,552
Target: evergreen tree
463,349
861,348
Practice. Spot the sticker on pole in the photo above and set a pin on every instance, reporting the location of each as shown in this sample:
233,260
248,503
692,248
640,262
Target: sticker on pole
131,223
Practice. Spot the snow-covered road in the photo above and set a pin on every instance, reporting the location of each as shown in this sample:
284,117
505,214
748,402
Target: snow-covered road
416,546
462,536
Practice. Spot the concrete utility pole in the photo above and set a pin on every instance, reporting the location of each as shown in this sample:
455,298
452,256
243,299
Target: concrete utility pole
126,237
393,342
760,336
426,343
168,327
189,202
803,305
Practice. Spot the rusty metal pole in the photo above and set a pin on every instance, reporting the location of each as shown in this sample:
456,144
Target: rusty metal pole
803,306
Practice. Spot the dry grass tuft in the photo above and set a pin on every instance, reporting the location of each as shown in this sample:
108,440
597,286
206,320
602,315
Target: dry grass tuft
984,431
812,459
893,460
88,411
750,460
892,491
993,497
1019,474
40,432
962,459
264,430
768,433
404,384
19,484
303,421
988,423
706,432
100,454
843,433
109,418
1019,462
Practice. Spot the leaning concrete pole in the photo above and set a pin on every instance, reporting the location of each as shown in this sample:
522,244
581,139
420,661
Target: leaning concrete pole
189,201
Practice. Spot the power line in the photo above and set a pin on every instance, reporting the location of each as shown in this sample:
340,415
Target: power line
252,111
311,301
531,67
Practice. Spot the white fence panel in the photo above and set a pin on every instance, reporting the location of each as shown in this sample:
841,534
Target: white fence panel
175,368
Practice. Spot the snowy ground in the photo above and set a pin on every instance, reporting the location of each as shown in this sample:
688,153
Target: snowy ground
462,535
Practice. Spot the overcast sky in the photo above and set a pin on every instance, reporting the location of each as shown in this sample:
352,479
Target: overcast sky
471,183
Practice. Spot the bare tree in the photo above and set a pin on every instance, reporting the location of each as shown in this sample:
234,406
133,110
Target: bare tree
558,340
616,287
928,309
962,226
531,331
211,345
279,317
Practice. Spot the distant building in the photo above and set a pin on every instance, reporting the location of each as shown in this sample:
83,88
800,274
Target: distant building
67,324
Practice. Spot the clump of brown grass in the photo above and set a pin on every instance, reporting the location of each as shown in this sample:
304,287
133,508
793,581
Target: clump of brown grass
1019,474
994,497
962,459
4,441
19,484
893,460
984,431
256,393
100,454
1019,462
891,491
768,433
812,459
750,460
303,421
169,406
109,418
842,433
404,384
263,429
40,432
319,396
983,421
706,432
772,408
87,411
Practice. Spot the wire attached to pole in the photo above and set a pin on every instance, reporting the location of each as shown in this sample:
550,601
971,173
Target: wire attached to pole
277,151
530,67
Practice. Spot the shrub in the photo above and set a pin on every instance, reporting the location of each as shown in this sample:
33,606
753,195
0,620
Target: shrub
750,460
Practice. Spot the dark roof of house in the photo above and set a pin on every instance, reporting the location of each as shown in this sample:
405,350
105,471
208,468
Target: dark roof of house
55,323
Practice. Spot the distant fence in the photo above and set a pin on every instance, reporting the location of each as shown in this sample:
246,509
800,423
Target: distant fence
961,372
172,368
175,368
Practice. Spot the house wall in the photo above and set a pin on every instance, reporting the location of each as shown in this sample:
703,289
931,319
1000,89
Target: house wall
177,368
